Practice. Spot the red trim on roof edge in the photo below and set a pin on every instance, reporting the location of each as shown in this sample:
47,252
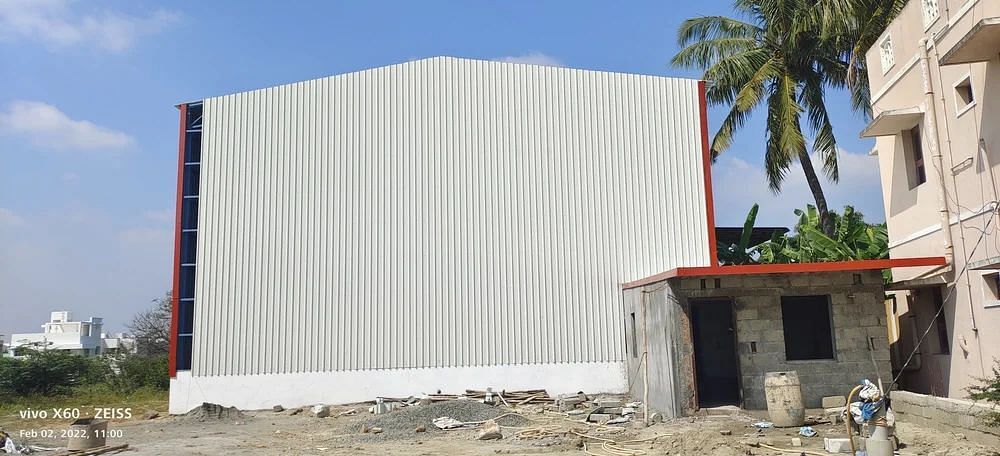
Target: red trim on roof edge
788,268
706,158
174,293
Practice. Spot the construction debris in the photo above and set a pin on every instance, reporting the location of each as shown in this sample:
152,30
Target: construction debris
509,398
445,422
466,413
490,431
106,449
320,410
8,445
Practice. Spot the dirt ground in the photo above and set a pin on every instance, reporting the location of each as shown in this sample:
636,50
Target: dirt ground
544,432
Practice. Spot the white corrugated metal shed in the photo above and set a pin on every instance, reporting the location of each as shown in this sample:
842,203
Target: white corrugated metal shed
440,213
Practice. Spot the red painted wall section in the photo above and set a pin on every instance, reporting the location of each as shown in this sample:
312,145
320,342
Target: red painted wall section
175,289
706,157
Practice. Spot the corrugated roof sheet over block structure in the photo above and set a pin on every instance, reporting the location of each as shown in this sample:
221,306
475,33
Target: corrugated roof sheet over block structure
442,212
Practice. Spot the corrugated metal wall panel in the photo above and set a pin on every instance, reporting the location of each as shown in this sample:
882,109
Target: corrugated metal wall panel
441,212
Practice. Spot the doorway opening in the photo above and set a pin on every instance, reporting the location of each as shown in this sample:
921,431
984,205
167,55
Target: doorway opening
716,363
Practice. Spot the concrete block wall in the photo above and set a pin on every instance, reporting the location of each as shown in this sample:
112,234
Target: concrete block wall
858,318
954,416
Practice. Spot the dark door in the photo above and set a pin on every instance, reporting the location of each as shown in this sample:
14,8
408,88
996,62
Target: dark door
715,360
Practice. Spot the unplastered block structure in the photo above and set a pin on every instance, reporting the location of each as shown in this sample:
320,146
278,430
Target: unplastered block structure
440,224
710,336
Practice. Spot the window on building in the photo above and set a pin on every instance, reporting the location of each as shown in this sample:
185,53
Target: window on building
991,285
886,53
964,98
807,326
940,323
916,172
930,11
633,342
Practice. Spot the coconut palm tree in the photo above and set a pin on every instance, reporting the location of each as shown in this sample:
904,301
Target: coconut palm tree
779,57
855,25
784,54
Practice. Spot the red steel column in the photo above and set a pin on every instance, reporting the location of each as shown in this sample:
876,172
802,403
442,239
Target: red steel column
175,293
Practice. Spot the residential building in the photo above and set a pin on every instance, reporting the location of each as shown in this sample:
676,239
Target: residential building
935,85
439,224
61,332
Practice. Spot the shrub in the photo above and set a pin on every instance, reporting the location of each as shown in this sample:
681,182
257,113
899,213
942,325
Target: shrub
988,390
131,372
48,372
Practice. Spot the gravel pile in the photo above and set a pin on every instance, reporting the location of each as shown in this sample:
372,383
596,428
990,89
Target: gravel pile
404,422
215,412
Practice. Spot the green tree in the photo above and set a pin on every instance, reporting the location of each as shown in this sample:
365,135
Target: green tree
785,54
778,57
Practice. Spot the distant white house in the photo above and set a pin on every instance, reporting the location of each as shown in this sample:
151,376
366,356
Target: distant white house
83,338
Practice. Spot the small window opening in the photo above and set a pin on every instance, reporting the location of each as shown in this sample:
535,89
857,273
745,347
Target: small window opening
807,327
991,283
634,342
886,54
913,148
718,283
963,94
930,11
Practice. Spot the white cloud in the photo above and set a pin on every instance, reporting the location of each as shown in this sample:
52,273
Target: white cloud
88,252
532,58
56,24
738,184
160,215
153,237
9,218
47,126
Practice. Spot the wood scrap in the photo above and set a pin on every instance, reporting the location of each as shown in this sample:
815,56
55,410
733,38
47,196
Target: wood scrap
94,451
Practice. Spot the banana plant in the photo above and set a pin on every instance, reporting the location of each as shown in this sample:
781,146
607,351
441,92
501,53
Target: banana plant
743,252
852,239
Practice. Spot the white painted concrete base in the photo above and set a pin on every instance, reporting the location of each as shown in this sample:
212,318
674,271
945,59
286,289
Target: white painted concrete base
255,392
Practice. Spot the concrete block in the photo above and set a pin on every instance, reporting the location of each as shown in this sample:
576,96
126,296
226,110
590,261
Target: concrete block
690,284
599,418
749,313
774,336
834,401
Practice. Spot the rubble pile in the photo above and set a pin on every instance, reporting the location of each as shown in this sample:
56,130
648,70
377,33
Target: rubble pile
408,421
215,412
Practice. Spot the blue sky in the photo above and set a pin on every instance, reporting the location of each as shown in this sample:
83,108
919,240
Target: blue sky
88,128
